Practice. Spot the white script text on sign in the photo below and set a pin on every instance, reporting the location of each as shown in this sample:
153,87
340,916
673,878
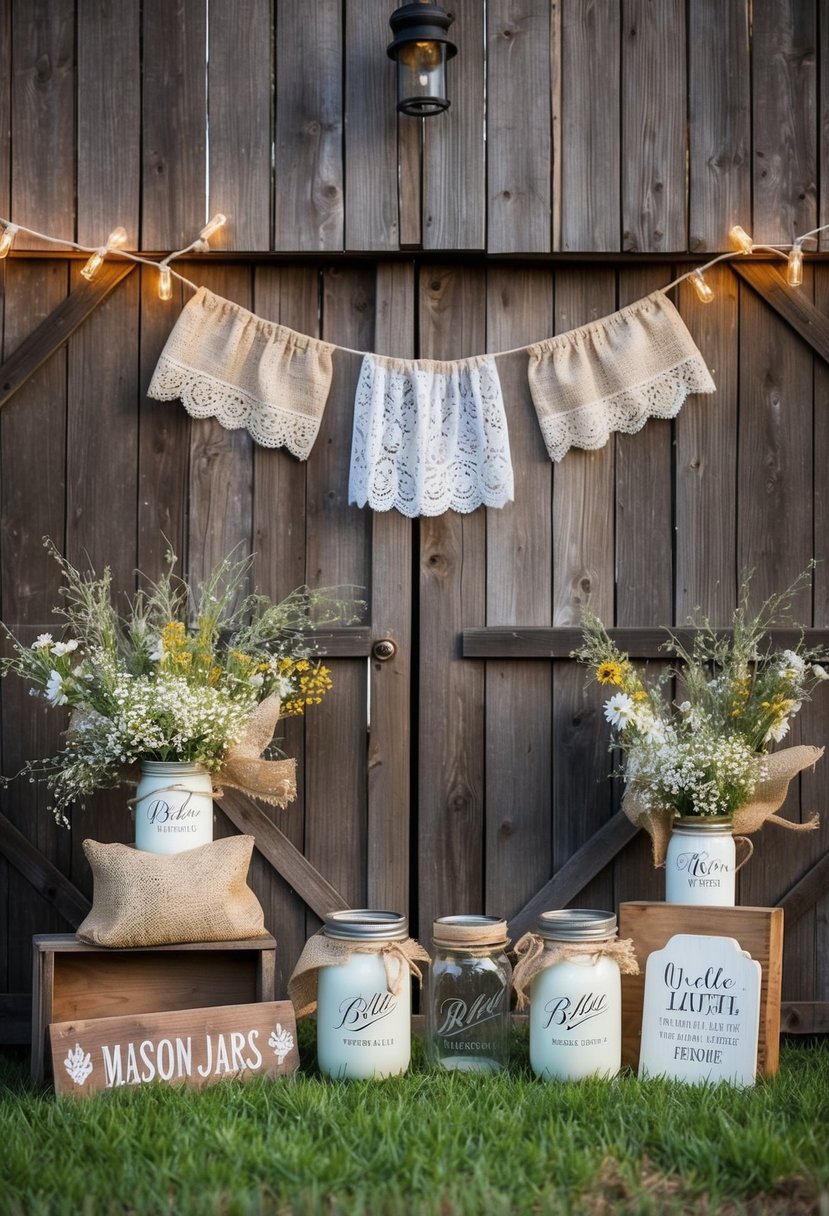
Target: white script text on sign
193,1047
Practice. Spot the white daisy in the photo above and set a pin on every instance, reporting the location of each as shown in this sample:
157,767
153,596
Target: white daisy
620,710
42,642
54,689
61,648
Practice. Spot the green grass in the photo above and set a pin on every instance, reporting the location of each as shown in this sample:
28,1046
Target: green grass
426,1144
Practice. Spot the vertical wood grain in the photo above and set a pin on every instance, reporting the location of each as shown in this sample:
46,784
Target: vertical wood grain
644,525
813,784
102,471
289,296
719,117
518,855
109,120
371,154
582,572
32,505
454,172
391,737
174,113
590,116
309,125
774,524
784,34
653,126
163,438
221,463
519,137
42,119
706,460
452,596
5,117
338,551
240,113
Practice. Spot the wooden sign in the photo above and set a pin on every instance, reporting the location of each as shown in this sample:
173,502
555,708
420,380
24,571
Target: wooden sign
193,1047
702,1011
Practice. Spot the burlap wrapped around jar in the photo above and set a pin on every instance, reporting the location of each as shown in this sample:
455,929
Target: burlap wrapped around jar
769,796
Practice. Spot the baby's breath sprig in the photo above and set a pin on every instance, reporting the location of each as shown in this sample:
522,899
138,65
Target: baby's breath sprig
176,674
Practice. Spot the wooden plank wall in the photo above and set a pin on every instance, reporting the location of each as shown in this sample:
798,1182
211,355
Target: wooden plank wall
594,147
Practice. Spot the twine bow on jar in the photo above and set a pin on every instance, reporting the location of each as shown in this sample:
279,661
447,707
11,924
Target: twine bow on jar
535,953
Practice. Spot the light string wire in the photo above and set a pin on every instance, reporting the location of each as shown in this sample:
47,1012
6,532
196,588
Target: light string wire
111,246
792,254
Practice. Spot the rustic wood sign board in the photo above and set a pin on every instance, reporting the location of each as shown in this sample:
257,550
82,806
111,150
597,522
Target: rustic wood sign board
701,1012
758,930
193,1047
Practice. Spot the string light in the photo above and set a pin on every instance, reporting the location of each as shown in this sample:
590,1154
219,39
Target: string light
214,225
700,286
7,239
117,237
794,270
741,239
165,283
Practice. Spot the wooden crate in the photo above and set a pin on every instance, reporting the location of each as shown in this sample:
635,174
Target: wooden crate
74,981
758,930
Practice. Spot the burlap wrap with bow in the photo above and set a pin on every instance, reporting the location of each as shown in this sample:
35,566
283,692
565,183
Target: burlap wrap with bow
243,768
321,951
768,797
534,954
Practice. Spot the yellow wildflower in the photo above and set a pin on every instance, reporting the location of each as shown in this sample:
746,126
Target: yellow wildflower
609,672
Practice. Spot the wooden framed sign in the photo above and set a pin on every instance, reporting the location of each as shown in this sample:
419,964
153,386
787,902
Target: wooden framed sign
193,1047
701,1015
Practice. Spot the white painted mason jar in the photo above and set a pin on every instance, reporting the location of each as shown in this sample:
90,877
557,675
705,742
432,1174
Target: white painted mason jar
173,806
576,1002
468,995
701,862
364,1005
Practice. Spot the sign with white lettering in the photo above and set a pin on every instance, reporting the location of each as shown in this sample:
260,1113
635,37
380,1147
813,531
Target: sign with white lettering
193,1047
702,1011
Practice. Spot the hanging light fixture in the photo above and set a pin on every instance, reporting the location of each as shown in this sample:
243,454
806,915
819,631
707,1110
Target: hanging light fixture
421,47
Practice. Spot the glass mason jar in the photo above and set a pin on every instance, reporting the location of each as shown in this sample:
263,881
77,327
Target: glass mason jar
363,1028
701,862
173,806
576,1001
468,994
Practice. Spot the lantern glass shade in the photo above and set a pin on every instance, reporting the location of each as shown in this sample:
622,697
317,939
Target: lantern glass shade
421,48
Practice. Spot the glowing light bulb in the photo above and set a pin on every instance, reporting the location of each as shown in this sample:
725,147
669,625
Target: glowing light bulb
702,289
794,271
739,237
117,237
165,283
213,226
94,264
7,239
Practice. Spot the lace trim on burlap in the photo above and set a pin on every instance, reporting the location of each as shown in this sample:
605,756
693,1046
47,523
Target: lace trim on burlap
613,374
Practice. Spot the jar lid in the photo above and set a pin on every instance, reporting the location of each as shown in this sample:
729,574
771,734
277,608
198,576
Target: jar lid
577,924
469,931
701,823
366,924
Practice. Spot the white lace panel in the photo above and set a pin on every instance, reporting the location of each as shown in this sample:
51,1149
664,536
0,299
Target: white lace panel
429,437
226,363
612,375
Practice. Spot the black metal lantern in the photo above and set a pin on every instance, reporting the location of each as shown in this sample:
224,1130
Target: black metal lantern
421,47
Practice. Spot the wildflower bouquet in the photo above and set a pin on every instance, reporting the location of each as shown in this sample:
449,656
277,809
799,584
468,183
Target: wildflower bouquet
707,753
197,675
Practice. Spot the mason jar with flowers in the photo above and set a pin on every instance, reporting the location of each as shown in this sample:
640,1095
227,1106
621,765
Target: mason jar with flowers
700,773
179,693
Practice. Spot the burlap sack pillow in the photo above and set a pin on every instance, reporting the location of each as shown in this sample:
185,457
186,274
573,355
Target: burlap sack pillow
155,899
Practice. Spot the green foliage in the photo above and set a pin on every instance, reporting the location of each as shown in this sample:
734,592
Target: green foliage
426,1144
